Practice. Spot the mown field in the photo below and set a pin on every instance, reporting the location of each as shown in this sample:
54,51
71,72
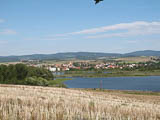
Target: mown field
48,103
135,59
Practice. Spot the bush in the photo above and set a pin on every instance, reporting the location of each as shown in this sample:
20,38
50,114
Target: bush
36,81
22,74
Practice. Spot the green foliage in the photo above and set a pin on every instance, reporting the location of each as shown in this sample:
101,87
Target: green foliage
21,70
58,82
22,74
36,81
142,93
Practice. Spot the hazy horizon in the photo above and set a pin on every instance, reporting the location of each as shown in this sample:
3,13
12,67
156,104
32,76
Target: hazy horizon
49,27
77,52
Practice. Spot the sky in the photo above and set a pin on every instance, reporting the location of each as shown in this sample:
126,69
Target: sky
53,26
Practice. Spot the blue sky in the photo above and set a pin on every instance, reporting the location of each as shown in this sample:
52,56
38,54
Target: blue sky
51,26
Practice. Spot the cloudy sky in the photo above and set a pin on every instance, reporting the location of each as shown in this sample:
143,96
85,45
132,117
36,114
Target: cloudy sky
51,26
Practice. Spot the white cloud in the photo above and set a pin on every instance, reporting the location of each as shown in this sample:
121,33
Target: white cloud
122,26
8,32
3,42
131,29
46,38
132,41
53,38
138,30
2,20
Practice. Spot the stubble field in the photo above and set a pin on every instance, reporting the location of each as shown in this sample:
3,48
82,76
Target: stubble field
46,103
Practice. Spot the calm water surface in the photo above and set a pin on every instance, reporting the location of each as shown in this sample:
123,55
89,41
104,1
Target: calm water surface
148,83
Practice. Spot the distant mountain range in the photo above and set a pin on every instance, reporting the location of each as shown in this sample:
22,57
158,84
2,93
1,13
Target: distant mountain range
77,55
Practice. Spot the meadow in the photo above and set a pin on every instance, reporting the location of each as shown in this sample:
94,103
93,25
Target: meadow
48,103
135,59
111,73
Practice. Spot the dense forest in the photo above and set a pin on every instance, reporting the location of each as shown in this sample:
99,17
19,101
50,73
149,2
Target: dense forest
24,75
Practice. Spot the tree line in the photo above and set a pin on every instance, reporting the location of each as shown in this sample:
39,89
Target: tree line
25,75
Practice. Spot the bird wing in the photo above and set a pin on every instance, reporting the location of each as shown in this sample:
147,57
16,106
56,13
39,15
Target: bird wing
96,1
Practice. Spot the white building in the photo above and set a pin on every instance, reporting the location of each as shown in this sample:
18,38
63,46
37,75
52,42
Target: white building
52,69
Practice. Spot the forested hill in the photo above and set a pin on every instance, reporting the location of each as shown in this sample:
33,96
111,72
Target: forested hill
144,53
59,56
77,55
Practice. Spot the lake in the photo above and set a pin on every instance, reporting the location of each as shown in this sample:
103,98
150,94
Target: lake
148,83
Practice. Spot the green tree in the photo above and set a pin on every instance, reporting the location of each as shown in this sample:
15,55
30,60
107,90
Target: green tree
21,70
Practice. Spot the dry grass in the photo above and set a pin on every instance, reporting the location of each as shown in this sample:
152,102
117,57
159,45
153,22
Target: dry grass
135,59
66,61
44,103
8,63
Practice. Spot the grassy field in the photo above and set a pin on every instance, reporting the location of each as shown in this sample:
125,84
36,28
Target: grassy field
58,82
112,73
65,61
8,63
135,59
46,103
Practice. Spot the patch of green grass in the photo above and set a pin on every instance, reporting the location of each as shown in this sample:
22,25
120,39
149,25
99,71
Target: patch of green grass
124,92
142,93
113,73
58,82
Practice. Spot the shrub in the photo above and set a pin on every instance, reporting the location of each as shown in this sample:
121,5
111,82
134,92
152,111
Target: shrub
36,81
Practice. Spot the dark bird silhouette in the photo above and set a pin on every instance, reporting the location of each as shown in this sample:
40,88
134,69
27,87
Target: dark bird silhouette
97,1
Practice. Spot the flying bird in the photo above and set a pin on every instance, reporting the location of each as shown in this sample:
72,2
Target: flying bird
97,1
